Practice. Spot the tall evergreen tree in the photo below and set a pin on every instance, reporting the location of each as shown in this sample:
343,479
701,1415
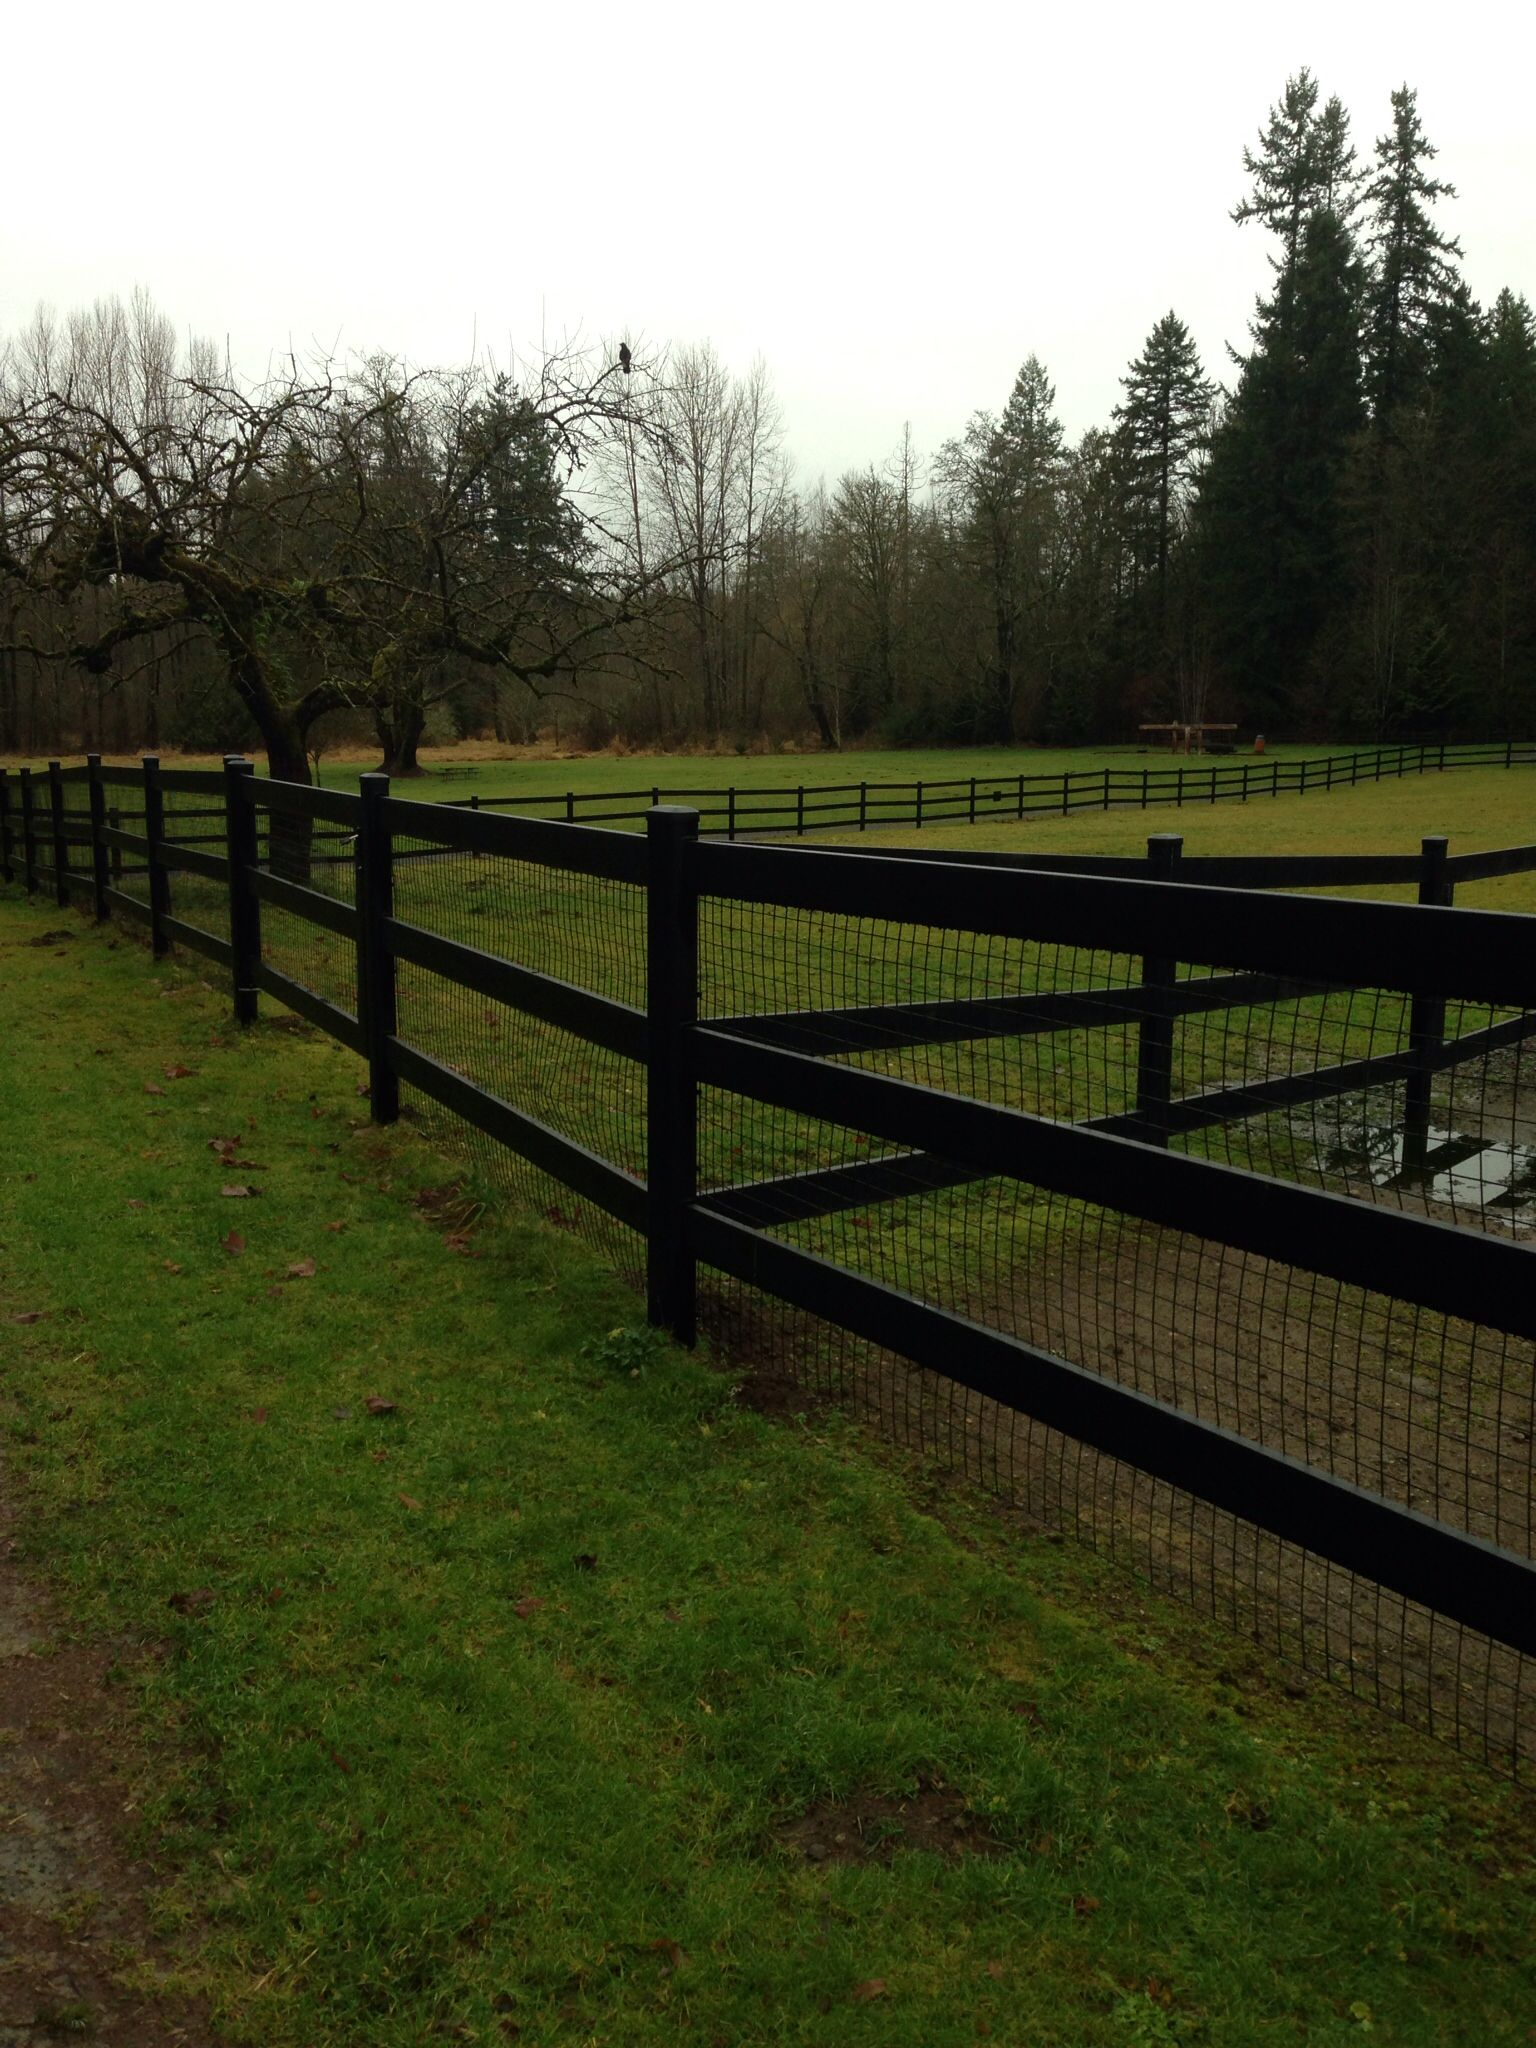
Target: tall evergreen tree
1002,480
1304,162
1163,420
1281,167
1413,274
1271,519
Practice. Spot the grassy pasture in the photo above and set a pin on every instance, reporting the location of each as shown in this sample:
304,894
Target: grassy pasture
478,769
543,775
1476,808
514,1712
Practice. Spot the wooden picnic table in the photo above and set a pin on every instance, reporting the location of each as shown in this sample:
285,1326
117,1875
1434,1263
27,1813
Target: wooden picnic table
1185,737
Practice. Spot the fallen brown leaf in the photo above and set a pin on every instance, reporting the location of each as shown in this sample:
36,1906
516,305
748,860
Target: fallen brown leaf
871,1988
198,1601
302,1269
28,1315
237,1190
406,1501
233,1243
177,1073
672,1952
134,1202
1085,1904
377,1405
257,1415
525,1607
153,1088
170,1265
336,1227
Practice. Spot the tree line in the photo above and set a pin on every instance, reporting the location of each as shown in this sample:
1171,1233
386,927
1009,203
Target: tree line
1336,537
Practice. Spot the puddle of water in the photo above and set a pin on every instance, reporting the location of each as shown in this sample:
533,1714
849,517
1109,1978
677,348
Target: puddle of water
1458,1169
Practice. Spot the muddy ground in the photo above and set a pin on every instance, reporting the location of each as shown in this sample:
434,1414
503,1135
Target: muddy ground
79,1955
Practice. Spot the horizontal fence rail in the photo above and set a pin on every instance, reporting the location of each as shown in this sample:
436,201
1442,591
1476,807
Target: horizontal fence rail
1008,1127
802,808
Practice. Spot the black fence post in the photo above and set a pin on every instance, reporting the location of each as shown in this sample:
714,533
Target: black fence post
1106,789
672,979
1021,796
375,961
800,811
60,843
99,864
28,833
1144,782
1154,1053
6,839
730,813
570,807
244,904
1066,793
159,877
1426,1019
863,804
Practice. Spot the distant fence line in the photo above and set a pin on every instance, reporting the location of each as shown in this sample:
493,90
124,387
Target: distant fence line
801,808
1140,1194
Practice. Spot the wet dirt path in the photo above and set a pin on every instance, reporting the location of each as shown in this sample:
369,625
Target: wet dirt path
79,1958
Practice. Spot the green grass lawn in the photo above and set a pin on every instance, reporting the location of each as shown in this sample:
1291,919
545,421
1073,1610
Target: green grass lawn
547,775
499,1714
1476,808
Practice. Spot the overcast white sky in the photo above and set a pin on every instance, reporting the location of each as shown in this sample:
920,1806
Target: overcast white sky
892,204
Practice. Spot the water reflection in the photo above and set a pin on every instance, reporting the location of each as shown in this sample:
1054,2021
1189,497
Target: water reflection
1456,1168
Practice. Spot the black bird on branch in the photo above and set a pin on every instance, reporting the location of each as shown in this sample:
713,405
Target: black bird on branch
625,358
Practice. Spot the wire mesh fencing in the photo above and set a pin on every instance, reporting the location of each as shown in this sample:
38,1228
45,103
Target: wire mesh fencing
577,930
932,1140
1353,1091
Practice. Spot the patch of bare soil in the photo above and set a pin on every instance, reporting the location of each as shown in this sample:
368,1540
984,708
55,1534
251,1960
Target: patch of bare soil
78,1955
871,1828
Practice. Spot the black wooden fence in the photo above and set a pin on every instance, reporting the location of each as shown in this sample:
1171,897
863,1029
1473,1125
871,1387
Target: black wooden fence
1052,1166
800,808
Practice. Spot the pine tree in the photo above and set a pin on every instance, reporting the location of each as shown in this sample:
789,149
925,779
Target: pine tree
1413,276
1271,515
1305,163
1282,167
1162,422
1002,480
